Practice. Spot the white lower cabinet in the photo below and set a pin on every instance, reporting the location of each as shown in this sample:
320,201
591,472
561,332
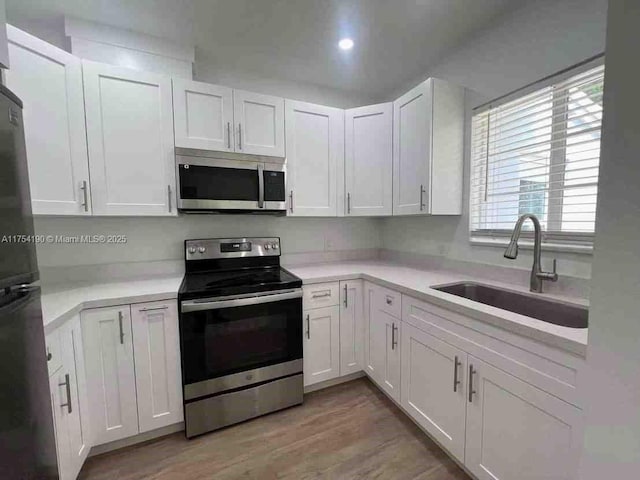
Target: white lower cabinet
156,343
516,431
433,387
69,401
333,328
321,345
111,379
133,364
351,327
382,342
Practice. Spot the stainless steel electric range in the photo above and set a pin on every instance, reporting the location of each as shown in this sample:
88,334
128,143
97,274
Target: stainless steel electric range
240,332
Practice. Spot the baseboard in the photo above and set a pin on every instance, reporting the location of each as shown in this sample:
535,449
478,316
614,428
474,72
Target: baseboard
140,438
334,381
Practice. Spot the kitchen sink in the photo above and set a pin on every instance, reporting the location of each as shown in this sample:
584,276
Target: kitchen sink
547,310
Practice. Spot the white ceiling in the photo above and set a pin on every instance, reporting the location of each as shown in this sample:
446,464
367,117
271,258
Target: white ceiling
396,41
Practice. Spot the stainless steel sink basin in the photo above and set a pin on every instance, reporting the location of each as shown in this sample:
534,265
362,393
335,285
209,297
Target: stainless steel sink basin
551,311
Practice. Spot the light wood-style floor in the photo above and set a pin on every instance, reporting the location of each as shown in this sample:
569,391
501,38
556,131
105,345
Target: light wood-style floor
343,432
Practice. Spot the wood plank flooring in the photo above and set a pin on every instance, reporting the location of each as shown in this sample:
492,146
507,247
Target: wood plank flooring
350,431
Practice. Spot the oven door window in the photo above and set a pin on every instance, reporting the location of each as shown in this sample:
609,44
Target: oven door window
198,182
221,342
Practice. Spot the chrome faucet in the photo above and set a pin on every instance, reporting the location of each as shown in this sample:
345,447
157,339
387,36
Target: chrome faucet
537,275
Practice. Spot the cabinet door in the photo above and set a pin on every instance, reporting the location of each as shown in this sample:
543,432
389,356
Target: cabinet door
49,83
58,390
516,431
203,115
157,359
130,138
433,388
77,418
321,344
369,160
382,343
412,116
351,327
111,384
315,158
259,122
388,328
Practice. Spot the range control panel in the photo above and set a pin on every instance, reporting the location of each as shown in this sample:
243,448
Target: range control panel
211,248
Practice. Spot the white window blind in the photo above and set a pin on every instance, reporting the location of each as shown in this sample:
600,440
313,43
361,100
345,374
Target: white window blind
539,154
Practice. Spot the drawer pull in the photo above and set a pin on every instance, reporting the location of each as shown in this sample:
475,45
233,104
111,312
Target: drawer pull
321,295
389,301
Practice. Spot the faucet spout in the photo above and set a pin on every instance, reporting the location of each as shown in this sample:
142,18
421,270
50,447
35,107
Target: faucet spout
537,275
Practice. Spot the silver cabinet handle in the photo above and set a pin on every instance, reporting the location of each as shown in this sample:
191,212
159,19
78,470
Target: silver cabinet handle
308,327
394,341
67,384
456,382
229,135
321,295
152,309
121,330
169,197
348,203
240,136
291,201
85,201
346,296
472,372
422,192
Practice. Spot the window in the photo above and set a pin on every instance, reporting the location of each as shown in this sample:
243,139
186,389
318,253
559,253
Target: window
539,153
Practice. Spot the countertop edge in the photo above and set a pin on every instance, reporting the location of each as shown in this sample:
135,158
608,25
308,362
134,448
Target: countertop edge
496,320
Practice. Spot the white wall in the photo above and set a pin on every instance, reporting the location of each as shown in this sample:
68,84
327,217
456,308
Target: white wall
612,440
153,239
526,46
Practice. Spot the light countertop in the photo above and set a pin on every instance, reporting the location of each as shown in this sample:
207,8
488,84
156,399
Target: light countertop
417,283
60,302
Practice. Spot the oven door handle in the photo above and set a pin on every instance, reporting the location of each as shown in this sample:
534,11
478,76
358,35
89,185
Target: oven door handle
196,306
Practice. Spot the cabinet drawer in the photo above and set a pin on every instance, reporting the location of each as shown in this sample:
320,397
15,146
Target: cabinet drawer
389,301
53,352
321,295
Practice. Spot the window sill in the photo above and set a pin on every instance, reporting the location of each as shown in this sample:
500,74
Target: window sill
528,245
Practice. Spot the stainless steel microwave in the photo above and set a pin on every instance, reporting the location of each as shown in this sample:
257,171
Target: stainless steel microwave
208,184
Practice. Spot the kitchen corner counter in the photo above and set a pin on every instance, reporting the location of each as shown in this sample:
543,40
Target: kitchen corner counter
60,302
416,283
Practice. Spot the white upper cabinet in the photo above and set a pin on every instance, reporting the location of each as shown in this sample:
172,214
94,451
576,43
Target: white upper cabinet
203,116
428,123
369,160
315,158
4,52
48,80
130,138
259,123
156,343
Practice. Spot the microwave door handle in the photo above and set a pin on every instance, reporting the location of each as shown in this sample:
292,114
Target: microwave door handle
260,185
197,306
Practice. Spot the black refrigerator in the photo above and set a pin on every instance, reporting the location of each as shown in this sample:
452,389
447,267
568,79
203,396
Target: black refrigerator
27,439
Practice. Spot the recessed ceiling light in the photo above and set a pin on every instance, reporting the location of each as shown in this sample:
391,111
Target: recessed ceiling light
346,44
